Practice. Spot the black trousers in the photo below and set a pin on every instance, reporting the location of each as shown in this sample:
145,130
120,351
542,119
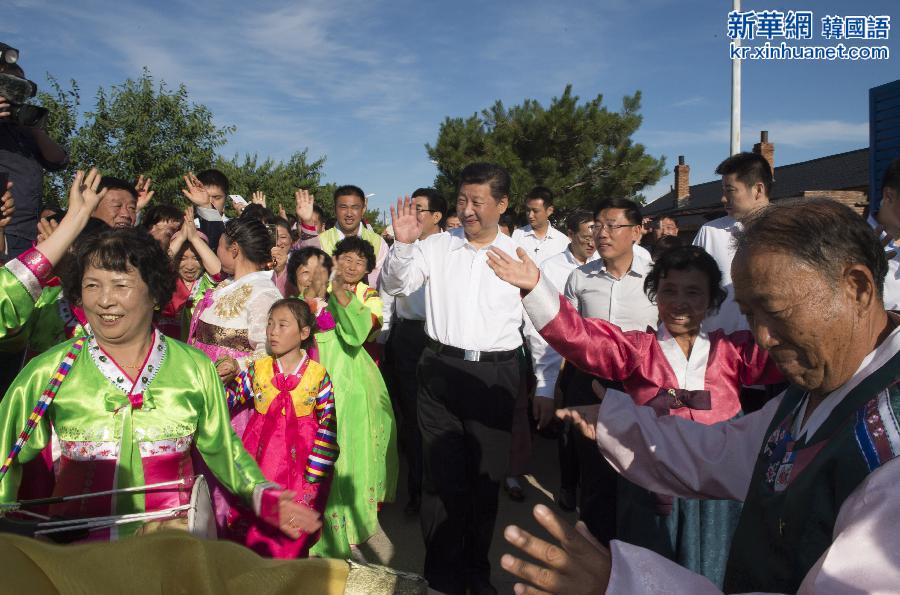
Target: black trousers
405,347
598,480
465,416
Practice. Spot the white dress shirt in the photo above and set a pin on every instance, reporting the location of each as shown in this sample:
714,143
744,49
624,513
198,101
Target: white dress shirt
892,278
546,360
716,237
540,249
410,307
466,305
597,294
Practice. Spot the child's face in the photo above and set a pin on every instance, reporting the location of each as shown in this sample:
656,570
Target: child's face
352,266
283,333
189,267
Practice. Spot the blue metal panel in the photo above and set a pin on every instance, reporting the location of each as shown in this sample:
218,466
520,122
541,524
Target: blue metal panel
884,135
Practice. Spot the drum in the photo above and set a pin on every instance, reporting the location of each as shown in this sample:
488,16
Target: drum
201,519
196,518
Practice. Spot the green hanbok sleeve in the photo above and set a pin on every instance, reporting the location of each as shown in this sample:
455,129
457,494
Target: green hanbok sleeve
15,409
220,447
353,323
16,302
21,280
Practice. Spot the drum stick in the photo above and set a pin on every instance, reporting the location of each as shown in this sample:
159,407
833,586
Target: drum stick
58,499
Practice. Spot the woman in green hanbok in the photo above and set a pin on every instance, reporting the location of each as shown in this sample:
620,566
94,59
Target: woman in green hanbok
129,404
365,474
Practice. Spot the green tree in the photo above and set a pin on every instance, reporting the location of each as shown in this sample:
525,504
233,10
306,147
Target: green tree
140,127
277,179
583,152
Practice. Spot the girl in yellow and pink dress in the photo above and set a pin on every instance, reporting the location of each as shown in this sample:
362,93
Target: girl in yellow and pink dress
292,429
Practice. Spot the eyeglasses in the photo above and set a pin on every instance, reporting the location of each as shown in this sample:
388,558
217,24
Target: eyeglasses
612,227
420,210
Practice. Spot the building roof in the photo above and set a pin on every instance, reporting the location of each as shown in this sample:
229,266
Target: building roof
842,171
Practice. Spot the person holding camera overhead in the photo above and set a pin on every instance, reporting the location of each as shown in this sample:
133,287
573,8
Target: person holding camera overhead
26,150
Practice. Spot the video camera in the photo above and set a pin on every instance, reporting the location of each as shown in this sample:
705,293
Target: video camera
18,90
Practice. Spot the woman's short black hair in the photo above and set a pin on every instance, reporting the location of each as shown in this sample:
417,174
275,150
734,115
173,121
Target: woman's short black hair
116,250
685,258
359,246
252,236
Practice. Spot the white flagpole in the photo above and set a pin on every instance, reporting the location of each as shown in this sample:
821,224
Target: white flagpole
736,93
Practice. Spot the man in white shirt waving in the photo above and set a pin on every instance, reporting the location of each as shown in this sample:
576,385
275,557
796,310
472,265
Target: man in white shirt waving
470,374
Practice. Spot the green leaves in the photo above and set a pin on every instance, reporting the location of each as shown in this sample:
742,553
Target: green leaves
144,127
277,179
581,151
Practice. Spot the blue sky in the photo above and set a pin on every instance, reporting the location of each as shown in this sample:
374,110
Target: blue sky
368,82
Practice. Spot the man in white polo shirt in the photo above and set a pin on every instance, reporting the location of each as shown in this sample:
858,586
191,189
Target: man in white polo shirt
469,374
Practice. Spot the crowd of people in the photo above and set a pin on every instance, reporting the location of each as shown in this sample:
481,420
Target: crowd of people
725,410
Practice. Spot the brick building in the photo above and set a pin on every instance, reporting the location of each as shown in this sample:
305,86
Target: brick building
843,177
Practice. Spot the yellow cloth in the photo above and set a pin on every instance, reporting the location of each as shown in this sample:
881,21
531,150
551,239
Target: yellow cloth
303,396
177,562
168,562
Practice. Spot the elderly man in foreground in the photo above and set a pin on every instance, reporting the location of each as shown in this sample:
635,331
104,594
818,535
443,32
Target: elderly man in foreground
815,467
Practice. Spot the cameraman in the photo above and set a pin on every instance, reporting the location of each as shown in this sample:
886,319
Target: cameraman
25,152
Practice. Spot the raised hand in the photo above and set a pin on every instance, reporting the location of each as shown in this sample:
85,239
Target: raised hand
279,257
522,273
405,221
196,192
7,205
188,229
281,212
142,187
304,206
45,229
339,286
259,198
83,192
579,564
294,518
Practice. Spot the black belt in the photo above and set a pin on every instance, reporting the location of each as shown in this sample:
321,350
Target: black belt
409,321
470,355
